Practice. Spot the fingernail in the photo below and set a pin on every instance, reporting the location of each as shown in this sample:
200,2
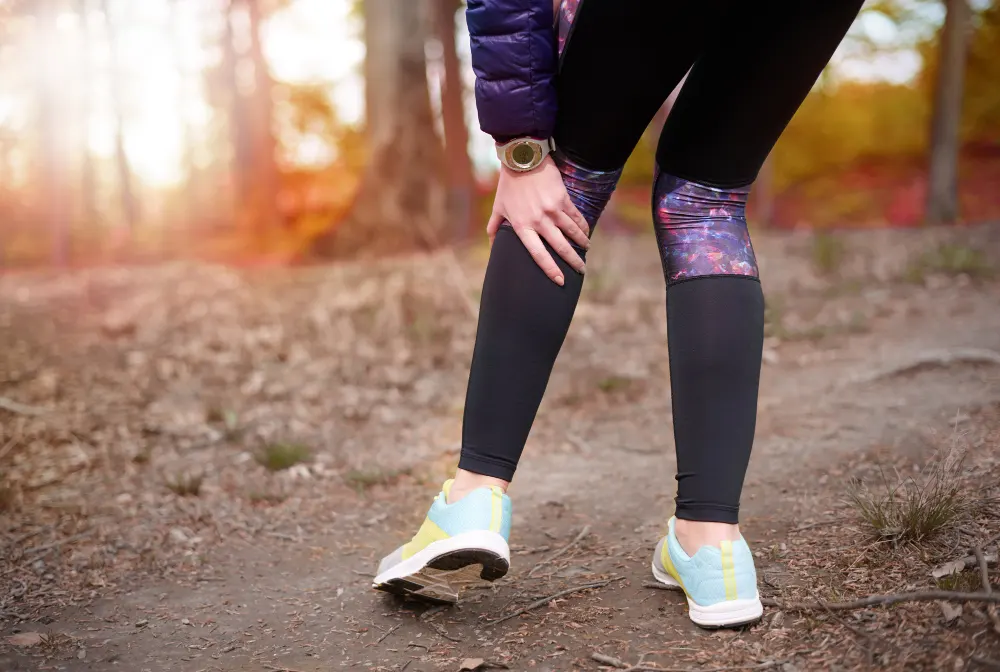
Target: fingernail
560,280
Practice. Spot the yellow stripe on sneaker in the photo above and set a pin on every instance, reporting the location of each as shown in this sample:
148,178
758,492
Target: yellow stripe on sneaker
728,571
428,533
668,564
497,509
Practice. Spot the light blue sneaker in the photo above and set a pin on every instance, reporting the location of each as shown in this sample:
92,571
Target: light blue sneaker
472,531
720,583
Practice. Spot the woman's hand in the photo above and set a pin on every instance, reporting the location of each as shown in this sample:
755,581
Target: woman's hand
537,206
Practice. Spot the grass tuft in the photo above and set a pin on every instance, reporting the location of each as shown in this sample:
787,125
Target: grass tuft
952,260
280,456
613,384
363,479
909,511
828,252
186,485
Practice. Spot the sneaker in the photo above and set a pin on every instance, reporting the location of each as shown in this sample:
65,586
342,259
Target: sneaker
471,531
720,583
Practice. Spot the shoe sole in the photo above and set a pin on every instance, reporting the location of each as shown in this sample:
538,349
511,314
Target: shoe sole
428,575
727,614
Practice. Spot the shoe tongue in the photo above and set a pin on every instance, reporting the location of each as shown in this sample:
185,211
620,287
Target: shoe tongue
446,488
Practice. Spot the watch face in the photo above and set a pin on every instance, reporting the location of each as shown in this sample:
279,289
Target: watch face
523,154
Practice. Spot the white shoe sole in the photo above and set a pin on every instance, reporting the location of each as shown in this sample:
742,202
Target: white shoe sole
425,575
727,614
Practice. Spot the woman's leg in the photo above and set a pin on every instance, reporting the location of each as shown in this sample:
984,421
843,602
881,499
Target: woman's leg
737,100
622,59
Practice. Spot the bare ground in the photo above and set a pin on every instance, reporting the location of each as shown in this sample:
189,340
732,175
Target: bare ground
122,389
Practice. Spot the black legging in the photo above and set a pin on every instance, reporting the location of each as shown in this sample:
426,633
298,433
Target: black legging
751,65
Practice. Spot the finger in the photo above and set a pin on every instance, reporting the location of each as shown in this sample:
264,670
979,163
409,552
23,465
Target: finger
557,239
496,219
571,229
570,209
532,243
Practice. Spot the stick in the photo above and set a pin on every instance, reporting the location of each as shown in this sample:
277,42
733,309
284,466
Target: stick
608,660
20,409
387,633
441,631
583,533
984,573
615,662
278,669
803,528
886,600
545,600
56,544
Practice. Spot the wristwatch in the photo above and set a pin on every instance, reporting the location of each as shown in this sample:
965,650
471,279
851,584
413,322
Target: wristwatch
523,154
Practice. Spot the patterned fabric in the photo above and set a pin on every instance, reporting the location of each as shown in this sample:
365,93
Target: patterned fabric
565,18
711,575
590,190
514,57
701,230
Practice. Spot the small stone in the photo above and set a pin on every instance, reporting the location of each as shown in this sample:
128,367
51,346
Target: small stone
141,623
178,536
26,639
81,654
185,621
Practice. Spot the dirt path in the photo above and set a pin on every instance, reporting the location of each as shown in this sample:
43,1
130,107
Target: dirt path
271,571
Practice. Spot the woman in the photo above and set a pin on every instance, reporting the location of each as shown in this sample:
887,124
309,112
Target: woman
751,65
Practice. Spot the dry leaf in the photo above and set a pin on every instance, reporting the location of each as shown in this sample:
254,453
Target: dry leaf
26,639
950,611
471,664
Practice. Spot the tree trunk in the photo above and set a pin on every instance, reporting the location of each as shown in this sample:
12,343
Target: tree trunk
88,185
130,208
191,200
239,126
946,117
461,181
266,177
400,204
54,192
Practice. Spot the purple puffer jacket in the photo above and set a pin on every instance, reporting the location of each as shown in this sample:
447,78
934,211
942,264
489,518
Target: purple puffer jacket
515,58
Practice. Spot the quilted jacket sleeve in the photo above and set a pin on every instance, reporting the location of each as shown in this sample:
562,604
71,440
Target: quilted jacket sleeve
515,61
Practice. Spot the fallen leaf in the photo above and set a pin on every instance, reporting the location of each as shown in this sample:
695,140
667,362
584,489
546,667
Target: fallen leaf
948,568
950,611
26,639
471,664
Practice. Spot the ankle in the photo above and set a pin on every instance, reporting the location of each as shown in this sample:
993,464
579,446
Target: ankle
693,534
467,481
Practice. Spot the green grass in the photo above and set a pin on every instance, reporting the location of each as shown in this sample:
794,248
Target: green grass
967,581
363,479
827,252
186,485
952,260
907,510
280,456
613,384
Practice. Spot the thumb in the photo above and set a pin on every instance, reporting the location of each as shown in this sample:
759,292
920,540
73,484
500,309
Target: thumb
496,219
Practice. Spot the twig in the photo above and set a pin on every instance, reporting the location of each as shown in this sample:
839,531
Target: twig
820,523
441,631
7,448
583,533
608,660
857,632
545,600
955,566
20,409
886,600
60,542
432,612
370,575
984,573
278,669
388,632
658,586
988,663
615,662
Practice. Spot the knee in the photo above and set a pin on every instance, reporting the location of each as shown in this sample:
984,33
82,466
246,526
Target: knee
701,230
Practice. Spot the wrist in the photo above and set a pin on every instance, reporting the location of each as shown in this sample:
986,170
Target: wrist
525,153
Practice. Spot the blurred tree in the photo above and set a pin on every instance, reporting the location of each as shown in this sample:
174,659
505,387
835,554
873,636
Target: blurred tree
461,181
129,204
88,186
946,116
400,203
54,178
191,196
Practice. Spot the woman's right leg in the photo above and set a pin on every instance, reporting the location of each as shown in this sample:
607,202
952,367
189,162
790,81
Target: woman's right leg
621,61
